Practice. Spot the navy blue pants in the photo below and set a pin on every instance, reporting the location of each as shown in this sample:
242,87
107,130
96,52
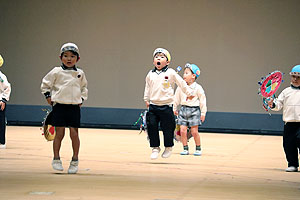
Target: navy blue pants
164,116
291,143
2,126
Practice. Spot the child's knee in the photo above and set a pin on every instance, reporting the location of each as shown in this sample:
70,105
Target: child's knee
74,134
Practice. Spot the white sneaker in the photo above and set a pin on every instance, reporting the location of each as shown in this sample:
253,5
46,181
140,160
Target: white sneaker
155,152
184,152
2,146
198,153
73,168
167,153
57,165
291,169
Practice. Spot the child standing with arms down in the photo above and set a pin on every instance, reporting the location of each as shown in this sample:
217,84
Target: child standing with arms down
158,96
289,101
5,90
192,112
65,88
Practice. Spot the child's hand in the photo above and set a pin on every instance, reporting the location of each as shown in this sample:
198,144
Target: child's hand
270,102
176,113
147,104
190,98
202,118
49,101
2,104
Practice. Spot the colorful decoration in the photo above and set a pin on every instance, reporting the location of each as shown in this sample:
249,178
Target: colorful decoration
142,123
178,69
268,87
177,134
49,131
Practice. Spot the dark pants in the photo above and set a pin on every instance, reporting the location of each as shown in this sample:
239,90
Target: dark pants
291,143
2,126
165,116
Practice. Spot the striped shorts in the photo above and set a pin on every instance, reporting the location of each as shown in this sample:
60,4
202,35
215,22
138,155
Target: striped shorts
189,116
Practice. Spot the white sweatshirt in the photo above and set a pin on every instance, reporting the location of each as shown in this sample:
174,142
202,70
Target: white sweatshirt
67,86
5,88
159,88
198,100
289,100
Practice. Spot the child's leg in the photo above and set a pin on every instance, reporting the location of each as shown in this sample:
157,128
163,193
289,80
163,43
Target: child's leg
167,123
183,133
290,144
194,131
2,126
60,133
152,126
75,142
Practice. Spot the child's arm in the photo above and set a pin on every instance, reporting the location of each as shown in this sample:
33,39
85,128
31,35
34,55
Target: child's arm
147,91
183,85
6,92
177,100
276,104
7,89
202,99
84,89
47,83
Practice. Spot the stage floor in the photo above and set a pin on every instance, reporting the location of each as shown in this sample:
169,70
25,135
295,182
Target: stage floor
116,165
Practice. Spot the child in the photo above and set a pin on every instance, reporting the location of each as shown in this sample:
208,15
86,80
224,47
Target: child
5,90
192,112
158,96
289,101
65,88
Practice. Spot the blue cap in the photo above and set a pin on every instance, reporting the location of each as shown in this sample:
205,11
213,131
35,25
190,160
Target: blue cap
295,71
195,69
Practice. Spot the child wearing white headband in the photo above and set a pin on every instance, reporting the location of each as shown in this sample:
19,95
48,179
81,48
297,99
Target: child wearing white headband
159,99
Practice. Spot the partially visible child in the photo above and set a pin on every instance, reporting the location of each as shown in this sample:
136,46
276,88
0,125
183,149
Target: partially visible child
5,90
192,111
159,98
289,101
65,88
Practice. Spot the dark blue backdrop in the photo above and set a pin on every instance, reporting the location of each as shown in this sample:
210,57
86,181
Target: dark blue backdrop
119,118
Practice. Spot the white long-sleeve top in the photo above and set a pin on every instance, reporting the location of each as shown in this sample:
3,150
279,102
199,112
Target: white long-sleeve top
289,101
198,100
5,88
66,85
159,88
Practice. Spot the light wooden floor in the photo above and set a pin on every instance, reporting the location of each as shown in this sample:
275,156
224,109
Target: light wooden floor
115,164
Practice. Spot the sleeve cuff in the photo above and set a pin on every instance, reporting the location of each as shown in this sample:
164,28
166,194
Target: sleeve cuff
273,105
47,94
4,100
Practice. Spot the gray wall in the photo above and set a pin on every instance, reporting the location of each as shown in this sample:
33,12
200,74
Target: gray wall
234,42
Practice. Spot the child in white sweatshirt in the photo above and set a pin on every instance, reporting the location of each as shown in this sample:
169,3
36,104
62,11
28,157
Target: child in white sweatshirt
5,90
159,99
65,88
289,101
192,112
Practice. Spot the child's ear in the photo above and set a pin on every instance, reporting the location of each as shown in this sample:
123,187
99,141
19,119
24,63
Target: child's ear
60,57
168,62
78,58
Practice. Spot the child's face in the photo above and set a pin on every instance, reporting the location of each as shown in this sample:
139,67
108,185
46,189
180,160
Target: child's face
295,80
189,76
69,59
160,61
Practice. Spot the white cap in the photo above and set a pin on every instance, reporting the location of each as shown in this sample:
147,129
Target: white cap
1,61
69,47
164,51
